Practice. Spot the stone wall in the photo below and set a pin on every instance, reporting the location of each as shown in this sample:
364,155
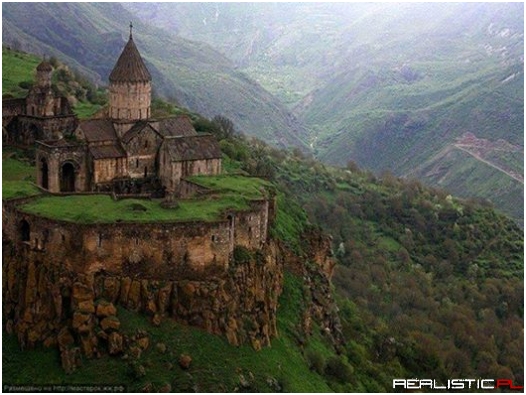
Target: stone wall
106,170
62,280
159,250
53,162
171,173
142,153
130,101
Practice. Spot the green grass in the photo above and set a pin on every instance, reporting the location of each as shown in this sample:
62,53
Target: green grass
17,178
103,209
249,187
17,67
85,110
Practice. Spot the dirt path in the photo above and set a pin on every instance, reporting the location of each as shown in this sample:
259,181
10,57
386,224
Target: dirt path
478,157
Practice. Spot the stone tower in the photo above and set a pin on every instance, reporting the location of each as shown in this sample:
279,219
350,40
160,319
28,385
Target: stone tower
44,70
41,100
130,86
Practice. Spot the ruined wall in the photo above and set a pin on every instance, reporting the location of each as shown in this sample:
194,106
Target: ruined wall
26,129
157,251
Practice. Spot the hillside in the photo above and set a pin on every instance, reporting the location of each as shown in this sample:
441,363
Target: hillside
89,37
388,86
412,259
428,285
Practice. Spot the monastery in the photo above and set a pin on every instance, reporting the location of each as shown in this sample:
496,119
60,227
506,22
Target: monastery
126,151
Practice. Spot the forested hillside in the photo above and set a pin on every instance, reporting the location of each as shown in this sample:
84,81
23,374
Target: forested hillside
388,86
428,285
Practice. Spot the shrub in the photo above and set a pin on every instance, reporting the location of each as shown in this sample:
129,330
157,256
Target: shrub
338,369
316,361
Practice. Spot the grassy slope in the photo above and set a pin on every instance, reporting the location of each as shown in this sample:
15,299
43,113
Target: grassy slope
17,177
16,68
19,67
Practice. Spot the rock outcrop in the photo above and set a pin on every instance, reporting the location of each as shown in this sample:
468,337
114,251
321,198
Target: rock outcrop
46,302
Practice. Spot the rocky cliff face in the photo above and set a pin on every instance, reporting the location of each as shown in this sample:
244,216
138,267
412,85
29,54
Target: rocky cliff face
43,302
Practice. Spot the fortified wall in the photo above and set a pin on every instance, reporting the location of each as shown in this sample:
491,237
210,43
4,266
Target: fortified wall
161,250
63,281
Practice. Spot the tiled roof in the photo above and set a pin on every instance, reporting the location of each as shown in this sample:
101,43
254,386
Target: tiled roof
98,130
130,66
177,126
107,151
135,130
203,146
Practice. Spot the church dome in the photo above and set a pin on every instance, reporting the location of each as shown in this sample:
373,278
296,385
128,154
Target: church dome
130,66
44,66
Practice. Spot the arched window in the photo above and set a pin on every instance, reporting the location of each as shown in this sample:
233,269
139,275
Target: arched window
25,230
44,171
67,179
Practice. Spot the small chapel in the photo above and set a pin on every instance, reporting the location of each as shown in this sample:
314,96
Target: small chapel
125,151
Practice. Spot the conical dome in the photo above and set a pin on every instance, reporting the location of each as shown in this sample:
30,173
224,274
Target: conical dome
45,66
130,66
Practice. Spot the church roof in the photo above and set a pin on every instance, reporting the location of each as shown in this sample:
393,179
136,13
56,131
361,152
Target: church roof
98,130
44,66
199,147
130,66
107,151
177,126
135,130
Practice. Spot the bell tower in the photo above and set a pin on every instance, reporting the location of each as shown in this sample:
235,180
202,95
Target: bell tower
130,86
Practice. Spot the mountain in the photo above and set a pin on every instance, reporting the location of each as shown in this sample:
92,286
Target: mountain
427,285
90,36
388,86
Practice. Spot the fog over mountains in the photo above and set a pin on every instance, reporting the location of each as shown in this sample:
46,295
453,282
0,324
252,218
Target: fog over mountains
426,90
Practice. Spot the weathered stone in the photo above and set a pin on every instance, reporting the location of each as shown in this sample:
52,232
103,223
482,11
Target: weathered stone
111,288
185,361
134,296
156,319
151,307
81,292
86,306
166,387
70,359
115,343
106,309
65,338
135,352
143,343
110,323
80,319
161,347
50,341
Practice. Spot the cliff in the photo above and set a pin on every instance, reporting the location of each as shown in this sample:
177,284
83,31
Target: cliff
70,297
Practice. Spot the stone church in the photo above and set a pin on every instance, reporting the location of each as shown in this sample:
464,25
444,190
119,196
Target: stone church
126,151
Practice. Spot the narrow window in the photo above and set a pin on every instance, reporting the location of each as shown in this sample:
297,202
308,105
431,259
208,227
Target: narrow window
136,162
99,240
